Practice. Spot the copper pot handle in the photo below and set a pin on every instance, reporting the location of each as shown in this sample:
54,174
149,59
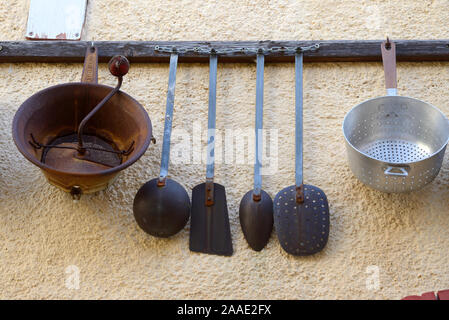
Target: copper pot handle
90,69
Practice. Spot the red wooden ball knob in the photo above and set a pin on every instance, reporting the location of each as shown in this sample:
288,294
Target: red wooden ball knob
118,66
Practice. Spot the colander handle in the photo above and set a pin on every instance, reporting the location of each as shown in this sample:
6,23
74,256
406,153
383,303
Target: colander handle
388,49
396,171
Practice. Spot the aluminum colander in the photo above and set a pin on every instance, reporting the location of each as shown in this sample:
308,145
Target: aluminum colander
395,144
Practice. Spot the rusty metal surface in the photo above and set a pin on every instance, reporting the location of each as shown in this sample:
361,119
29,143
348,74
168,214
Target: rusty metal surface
90,67
43,116
57,112
56,19
118,61
70,152
62,153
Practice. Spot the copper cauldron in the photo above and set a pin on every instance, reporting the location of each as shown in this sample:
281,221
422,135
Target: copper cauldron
115,132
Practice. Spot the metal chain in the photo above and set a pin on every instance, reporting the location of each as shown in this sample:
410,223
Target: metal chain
208,51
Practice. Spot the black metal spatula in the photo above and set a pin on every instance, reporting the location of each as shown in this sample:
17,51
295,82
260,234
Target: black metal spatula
209,224
301,212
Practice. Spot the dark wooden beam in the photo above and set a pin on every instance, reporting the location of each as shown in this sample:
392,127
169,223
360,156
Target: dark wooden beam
144,51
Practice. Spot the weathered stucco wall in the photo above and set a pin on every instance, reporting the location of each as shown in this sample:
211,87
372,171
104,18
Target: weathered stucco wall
42,231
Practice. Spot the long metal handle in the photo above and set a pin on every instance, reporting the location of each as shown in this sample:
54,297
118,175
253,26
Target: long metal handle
211,116
165,159
258,127
388,49
213,60
299,127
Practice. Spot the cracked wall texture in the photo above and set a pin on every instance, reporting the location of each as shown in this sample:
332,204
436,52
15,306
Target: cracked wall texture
42,231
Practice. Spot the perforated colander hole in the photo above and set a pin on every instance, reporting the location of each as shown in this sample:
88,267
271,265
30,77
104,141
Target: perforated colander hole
396,151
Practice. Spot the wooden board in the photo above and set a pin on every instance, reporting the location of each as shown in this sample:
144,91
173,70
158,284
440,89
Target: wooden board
145,51
56,19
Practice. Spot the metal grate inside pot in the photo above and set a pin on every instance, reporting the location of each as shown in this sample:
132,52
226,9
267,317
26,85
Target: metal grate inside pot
98,153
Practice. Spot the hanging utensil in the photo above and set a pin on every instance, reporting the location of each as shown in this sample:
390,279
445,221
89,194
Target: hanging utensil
89,148
301,212
118,67
83,134
394,143
256,207
162,206
209,225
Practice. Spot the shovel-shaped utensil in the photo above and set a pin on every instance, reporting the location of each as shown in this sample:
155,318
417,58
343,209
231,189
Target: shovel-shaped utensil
209,223
256,207
301,212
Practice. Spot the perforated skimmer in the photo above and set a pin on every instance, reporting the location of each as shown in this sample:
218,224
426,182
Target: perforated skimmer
301,211
395,144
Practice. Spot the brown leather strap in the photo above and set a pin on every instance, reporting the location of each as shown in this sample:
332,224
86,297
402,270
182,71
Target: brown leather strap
388,49
90,69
